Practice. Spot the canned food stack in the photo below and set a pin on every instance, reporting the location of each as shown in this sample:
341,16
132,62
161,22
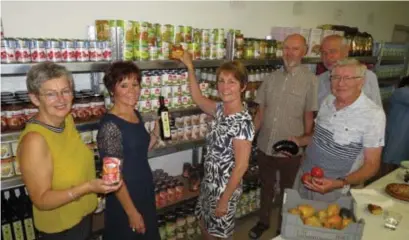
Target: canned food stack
125,39
87,105
164,36
250,199
239,45
9,166
171,84
256,76
23,50
16,109
107,33
179,223
217,49
208,83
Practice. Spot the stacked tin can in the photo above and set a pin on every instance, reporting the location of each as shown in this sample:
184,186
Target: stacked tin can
171,84
23,50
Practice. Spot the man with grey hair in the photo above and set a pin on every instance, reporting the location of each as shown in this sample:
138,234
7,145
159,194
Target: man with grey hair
348,137
287,99
333,49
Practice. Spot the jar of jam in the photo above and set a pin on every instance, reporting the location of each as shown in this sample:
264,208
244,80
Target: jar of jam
87,92
162,227
15,117
29,109
97,105
177,51
157,197
163,196
3,117
171,192
7,168
170,225
180,224
179,190
82,108
21,94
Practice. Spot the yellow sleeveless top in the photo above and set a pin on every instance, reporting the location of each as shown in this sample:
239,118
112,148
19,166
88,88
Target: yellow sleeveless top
73,164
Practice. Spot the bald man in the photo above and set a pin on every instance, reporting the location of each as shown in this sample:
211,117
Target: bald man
287,99
334,49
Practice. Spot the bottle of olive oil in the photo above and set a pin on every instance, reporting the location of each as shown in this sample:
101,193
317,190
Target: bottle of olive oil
164,120
27,215
6,228
16,222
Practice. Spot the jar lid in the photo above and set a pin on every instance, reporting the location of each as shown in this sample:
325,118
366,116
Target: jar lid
21,93
6,94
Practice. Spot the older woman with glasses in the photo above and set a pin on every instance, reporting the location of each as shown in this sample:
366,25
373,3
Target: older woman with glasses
57,167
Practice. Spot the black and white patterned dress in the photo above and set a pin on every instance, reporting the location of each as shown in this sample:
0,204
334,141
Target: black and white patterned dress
218,166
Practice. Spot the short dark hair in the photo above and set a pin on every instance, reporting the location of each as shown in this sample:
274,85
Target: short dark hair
118,71
238,70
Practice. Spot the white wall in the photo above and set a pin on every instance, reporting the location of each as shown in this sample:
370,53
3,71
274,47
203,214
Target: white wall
255,19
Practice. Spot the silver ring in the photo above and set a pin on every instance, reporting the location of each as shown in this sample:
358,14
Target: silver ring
133,230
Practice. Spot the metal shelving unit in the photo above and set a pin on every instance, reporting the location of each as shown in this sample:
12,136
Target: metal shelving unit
84,67
172,148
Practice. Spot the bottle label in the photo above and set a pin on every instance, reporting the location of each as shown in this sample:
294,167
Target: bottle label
29,228
6,232
18,230
166,126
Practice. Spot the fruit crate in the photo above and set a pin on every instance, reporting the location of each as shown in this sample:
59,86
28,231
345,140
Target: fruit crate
293,228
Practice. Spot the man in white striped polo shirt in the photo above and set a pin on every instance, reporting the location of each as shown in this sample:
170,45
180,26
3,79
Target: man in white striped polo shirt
348,136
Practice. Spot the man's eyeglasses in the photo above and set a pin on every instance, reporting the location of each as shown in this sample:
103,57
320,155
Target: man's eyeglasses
53,95
336,78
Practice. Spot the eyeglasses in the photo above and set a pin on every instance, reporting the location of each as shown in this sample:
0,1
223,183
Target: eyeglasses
53,95
336,78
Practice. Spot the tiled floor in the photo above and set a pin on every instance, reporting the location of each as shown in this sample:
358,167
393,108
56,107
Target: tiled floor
244,225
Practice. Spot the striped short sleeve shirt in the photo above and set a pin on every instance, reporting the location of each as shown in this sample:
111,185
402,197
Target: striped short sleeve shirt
340,137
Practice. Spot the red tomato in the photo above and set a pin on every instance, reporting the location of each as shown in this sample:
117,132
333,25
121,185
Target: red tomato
317,172
306,177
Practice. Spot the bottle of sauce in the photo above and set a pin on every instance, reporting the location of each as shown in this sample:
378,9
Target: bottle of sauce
164,121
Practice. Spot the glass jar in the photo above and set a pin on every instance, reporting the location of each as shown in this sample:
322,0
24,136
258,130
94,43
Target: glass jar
179,190
170,225
15,115
29,109
7,169
97,106
162,227
4,126
180,224
163,196
82,108
171,192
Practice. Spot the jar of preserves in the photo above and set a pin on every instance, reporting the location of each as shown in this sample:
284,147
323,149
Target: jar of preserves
6,151
180,224
3,117
162,227
177,51
29,109
163,196
171,192
15,117
97,106
83,108
170,225
7,168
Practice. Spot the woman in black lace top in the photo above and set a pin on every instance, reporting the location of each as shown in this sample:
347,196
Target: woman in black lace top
130,212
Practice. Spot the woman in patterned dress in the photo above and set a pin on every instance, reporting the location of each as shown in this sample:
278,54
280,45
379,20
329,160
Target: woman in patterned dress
228,145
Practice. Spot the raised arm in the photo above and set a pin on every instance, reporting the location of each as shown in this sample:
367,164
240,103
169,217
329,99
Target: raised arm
208,106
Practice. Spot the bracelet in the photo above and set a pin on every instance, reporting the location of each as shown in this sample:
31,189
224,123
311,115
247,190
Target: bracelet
72,196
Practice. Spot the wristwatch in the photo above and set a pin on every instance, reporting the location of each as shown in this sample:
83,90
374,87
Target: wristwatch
345,185
343,180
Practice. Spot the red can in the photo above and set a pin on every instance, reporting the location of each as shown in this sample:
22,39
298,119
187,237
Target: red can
106,51
22,50
8,46
52,48
82,50
37,49
95,52
111,171
67,50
